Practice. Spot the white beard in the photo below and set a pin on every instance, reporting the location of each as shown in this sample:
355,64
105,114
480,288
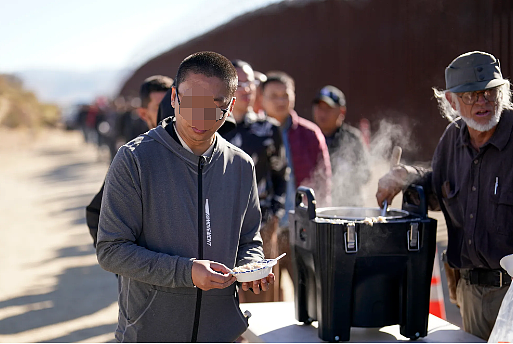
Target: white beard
483,127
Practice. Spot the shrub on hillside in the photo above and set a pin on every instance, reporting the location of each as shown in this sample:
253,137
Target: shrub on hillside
21,108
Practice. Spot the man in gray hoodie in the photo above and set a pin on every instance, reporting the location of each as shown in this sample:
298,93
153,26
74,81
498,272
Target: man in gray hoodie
180,208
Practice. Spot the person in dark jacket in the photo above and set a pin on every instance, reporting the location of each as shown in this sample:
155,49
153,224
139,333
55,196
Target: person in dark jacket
260,138
138,120
165,108
348,157
151,93
260,78
180,210
471,182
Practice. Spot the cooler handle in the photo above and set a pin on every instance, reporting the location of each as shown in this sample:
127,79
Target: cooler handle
310,199
414,201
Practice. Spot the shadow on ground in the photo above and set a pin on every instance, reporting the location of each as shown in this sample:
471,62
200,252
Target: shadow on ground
72,169
70,251
71,172
79,291
86,333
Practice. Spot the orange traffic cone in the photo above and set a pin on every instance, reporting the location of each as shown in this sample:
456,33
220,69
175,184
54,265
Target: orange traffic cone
436,303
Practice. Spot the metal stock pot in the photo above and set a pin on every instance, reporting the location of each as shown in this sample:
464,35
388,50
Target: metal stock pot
358,214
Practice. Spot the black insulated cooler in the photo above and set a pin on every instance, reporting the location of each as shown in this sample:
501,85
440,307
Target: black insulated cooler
349,272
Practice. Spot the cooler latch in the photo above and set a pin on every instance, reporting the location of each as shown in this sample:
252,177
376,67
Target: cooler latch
351,239
413,237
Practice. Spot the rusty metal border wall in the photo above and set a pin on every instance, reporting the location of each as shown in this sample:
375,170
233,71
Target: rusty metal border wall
384,55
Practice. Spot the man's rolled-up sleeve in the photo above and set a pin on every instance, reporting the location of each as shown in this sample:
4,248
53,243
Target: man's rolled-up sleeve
120,225
424,177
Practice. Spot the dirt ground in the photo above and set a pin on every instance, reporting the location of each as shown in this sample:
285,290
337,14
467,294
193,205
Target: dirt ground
51,286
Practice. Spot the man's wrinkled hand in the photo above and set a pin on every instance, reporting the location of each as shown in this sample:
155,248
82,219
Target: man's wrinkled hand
391,184
259,285
208,275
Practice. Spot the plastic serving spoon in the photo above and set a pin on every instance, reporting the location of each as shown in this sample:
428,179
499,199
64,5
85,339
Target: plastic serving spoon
272,262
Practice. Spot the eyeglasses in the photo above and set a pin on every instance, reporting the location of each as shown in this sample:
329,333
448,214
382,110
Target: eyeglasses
470,98
222,111
244,84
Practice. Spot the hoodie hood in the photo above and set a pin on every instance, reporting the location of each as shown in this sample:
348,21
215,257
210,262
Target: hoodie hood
161,135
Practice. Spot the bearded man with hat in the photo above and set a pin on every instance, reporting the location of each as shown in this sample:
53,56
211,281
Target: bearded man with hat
471,182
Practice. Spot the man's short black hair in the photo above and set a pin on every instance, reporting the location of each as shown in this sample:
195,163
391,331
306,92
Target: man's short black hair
155,83
281,77
210,64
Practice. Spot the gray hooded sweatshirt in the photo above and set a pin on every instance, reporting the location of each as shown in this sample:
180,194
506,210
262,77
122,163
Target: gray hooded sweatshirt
162,208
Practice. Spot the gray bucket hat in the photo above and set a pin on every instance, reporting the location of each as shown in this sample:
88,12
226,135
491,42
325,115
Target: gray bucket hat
473,71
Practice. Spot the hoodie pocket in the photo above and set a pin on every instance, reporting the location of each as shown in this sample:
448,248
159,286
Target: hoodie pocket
136,309
221,319
169,318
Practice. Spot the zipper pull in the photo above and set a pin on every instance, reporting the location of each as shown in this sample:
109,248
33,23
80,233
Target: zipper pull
201,162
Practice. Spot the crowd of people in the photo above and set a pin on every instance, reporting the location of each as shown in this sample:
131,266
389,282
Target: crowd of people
210,185
111,124
287,149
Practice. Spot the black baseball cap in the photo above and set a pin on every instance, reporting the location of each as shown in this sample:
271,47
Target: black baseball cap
331,96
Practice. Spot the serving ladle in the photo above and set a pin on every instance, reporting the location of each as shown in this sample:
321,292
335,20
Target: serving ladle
394,160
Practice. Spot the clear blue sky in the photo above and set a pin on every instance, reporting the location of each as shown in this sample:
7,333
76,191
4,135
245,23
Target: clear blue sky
103,34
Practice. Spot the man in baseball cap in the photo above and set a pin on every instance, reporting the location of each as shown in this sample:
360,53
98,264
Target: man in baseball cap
471,182
349,165
331,96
